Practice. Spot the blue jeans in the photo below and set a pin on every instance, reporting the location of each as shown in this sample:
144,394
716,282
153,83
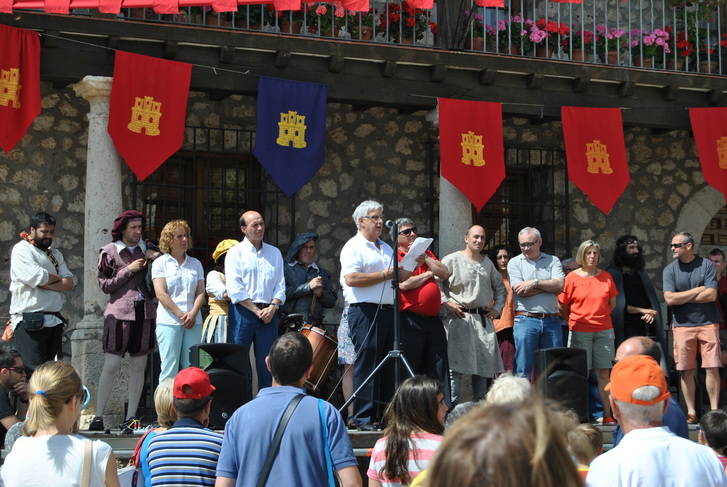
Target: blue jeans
532,334
246,329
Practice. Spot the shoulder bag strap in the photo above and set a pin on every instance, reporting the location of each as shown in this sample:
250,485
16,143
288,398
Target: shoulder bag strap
275,446
86,472
326,446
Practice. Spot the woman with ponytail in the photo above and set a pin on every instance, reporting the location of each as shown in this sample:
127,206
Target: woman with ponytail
51,453
414,426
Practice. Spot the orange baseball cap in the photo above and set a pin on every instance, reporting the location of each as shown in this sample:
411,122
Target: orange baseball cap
633,372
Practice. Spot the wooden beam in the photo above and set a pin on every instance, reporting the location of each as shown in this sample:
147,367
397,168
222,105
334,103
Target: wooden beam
438,73
626,89
580,84
336,64
487,76
389,69
171,48
282,59
227,54
714,97
670,92
535,81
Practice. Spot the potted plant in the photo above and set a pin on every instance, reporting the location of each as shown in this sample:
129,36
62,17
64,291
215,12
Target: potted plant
362,25
609,42
651,46
581,45
404,24
476,33
542,31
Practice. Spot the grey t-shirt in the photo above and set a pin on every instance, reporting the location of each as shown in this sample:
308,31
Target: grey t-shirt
522,269
679,277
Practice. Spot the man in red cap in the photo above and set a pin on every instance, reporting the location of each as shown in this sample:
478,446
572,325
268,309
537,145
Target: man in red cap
129,316
187,453
649,454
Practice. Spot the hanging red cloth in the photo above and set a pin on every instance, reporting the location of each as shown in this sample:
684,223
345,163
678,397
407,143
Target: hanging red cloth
709,126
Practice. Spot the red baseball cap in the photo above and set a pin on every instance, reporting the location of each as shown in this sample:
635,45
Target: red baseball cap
192,383
633,372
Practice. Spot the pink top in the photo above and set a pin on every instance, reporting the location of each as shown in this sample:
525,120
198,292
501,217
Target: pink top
421,450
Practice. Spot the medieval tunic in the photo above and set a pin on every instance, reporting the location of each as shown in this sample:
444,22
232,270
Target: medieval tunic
214,328
472,343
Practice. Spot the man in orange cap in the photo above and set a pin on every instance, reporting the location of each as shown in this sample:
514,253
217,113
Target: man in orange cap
649,454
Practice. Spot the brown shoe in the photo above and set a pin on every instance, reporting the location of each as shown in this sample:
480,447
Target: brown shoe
692,419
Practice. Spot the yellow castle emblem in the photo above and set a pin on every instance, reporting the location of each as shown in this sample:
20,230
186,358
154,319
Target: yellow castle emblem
10,87
473,152
291,130
598,159
722,152
145,115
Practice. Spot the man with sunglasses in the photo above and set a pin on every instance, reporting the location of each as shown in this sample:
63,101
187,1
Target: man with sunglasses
423,339
13,390
690,289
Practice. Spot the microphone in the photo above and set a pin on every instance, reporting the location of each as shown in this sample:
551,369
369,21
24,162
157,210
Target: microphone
389,223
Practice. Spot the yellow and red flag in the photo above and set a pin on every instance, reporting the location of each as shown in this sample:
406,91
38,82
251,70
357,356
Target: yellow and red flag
19,83
709,126
471,148
596,153
148,109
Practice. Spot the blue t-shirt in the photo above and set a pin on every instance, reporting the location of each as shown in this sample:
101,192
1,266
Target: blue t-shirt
679,277
301,460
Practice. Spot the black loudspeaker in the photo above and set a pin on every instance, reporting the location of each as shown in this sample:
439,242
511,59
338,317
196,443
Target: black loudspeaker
228,366
562,375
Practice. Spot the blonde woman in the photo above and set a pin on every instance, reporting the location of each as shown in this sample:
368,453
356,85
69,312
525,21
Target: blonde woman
588,297
179,286
166,416
51,454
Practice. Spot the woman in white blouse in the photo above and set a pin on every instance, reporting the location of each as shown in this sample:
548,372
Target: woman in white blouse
179,285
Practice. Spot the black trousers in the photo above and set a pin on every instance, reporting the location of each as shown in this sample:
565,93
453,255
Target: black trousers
371,348
37,347
424,344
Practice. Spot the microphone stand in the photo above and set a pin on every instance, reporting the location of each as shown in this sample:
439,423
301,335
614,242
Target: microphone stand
395,353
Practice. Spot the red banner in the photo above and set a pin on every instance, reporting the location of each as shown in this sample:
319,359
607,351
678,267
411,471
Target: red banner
566,1
19,83
596,153
148,110
471,148
420,3
491,3
709,126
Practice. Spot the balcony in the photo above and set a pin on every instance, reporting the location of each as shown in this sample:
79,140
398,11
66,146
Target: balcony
662,35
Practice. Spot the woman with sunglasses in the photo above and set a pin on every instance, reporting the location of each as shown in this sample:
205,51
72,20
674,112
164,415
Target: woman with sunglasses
52,454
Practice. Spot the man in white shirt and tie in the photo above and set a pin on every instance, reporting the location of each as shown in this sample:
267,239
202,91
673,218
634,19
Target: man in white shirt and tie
256,287
366,272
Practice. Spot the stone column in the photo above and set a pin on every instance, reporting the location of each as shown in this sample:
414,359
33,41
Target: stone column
103,203
455,217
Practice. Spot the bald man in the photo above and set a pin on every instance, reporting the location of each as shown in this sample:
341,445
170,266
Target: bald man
474,283
256,287
674,417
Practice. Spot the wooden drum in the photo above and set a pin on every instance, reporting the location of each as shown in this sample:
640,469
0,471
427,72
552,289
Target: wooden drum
325,355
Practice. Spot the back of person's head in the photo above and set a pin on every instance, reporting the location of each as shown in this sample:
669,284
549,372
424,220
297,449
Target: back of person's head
585,442
7,356
459,411
290,357
504,446
164,403
638,388
51,387
414,407
192,392
714,428
508,389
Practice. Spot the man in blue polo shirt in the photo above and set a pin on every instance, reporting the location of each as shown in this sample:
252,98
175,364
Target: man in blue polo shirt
314,445
187,453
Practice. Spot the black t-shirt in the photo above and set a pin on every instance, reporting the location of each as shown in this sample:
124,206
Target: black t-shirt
8,407
635,295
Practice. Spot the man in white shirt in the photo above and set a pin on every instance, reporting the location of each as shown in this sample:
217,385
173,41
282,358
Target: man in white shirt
38,278
256,287
366,272
649,454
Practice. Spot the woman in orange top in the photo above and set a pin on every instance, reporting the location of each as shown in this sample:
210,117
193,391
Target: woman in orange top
503,326
589,295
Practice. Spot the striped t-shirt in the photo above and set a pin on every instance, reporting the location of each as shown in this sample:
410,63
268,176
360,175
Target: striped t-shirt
184,455
421,450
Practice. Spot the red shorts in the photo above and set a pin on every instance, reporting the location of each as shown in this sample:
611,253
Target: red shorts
687,339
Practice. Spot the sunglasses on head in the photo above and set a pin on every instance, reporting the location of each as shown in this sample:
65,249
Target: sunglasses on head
408,231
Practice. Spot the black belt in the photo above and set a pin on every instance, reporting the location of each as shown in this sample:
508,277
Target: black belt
535,315
383,306
261,305
475,311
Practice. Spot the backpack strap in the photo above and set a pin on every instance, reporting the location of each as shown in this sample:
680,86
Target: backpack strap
277,438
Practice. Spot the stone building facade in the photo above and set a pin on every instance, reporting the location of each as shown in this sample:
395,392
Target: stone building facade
373,152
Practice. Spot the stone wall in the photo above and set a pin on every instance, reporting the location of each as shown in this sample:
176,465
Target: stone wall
45,172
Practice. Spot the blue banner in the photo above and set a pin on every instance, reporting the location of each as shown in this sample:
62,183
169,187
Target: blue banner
291,130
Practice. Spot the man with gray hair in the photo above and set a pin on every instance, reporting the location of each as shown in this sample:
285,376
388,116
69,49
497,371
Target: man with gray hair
649,454
536,279
423,339
690,290
366,272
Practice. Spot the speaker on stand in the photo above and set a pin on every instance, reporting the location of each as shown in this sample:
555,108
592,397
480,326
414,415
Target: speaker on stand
562,375
228,366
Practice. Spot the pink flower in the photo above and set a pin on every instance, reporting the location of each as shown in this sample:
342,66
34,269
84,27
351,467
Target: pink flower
617,33
600,28
501,25
537,35
321,10
523,33
517,19
339,12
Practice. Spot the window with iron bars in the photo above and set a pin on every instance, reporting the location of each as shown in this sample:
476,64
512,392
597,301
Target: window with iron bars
209,183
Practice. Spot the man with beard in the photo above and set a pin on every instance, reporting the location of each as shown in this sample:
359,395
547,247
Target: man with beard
38,278
637,311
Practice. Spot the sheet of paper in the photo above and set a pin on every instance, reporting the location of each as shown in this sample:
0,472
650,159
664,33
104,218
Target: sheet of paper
409,262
